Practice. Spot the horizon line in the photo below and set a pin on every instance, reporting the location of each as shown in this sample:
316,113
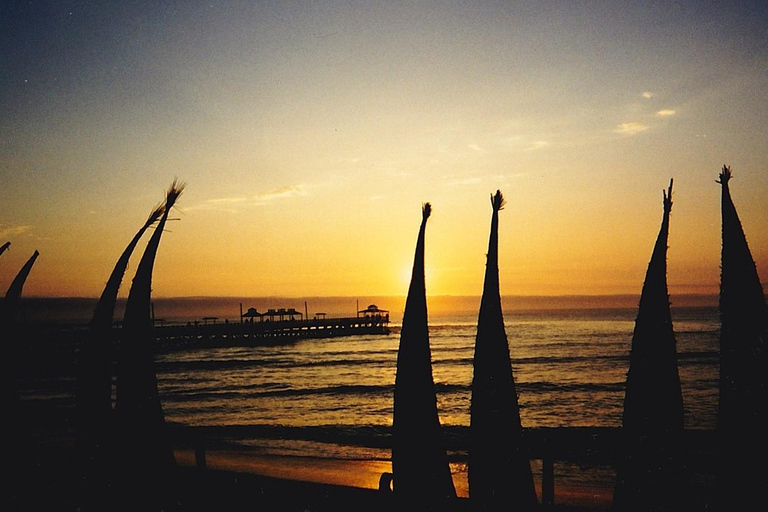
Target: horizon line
444,295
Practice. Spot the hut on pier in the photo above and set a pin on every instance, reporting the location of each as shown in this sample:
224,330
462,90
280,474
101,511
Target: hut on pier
374,313
251,315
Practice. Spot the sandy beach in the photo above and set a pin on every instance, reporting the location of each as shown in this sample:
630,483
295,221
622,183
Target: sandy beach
241,480
365,474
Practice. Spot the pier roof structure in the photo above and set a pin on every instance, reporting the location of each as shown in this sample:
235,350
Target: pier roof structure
281,314
373,309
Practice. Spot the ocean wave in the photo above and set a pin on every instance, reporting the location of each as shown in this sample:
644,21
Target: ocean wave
240,392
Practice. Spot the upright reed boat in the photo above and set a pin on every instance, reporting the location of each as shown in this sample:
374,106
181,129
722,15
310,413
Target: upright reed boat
93,398
422,476
743,408
146,455
499,471
651,470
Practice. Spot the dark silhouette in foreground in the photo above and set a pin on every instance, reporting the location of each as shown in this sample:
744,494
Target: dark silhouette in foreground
11,346
651,471
93,403
500,475
13,294
422,476
16,469
145,454
743,408
4,247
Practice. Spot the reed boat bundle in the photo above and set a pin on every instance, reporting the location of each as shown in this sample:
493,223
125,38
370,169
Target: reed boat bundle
93,397
422,476
146,454
743,407
500,475
651,472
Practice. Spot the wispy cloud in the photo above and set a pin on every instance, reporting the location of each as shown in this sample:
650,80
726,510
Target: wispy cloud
230,204
8,231
647,95
631,128
537,144
280,193
665,113
226,200
474,147
219,203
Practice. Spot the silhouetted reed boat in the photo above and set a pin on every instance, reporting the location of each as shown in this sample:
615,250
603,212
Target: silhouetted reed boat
16,479
422,476
8,331
145,455
499,470
93,398
13,294
743,408
651,469
8,327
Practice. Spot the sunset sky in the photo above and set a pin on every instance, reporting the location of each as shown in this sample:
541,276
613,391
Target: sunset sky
310,133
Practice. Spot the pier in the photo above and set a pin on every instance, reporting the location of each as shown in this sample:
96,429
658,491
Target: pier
271,327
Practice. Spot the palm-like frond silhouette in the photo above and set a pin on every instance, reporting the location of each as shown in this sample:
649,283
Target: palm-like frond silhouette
499,470
422,476
4,247
651,473
743,406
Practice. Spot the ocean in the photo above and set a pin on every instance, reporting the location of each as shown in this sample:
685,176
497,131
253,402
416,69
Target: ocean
332,398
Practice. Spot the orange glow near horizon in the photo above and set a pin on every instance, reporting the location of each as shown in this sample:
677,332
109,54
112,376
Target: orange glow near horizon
309,137
202,256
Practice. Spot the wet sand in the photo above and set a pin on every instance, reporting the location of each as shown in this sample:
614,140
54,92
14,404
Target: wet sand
236,479
362,475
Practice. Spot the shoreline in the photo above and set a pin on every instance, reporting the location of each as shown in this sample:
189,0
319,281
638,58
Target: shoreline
236,479
363,474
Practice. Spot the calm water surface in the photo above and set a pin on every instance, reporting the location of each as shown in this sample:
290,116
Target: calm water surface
569,367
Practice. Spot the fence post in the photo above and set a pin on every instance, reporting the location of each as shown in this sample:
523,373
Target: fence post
199,456
547,482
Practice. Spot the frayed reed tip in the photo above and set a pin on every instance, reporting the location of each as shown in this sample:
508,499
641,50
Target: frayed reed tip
498,201
426,210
